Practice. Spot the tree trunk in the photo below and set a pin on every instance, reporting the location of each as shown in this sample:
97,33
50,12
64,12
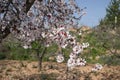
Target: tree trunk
1,47
40,58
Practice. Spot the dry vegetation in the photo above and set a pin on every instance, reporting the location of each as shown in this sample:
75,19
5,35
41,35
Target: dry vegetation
27,70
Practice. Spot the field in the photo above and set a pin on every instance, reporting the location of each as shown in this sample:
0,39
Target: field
28,70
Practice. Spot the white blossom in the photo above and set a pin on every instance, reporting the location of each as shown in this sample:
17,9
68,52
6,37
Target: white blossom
43,34
50,0
25,47
64,45
71,63
80,62
73,55
85,45
77,49
97,67
59,58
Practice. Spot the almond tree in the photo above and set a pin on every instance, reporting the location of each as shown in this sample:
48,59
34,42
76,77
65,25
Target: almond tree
44,21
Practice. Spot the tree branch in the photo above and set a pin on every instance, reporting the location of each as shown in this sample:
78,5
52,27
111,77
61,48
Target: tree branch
6,32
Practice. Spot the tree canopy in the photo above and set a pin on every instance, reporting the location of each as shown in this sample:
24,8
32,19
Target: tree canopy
112,13
36,14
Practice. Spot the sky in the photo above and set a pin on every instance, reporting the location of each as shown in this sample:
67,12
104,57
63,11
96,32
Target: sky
96,9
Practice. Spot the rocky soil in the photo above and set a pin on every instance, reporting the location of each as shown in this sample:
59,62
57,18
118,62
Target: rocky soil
28,70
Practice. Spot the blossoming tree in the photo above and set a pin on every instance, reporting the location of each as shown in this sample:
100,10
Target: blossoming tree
44,21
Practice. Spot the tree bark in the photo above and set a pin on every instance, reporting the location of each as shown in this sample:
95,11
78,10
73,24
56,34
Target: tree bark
29,3
40,58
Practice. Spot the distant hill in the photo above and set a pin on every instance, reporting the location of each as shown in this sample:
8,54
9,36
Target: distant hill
82,28
85,28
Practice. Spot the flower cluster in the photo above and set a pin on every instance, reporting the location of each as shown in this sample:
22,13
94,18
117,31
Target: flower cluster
59,58
81,62
75,62
97,67
63,38
59,35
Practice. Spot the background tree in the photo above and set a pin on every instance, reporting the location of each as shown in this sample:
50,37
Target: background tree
113,13
108,29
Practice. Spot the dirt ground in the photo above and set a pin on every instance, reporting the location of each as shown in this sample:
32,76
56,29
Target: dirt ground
28,70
